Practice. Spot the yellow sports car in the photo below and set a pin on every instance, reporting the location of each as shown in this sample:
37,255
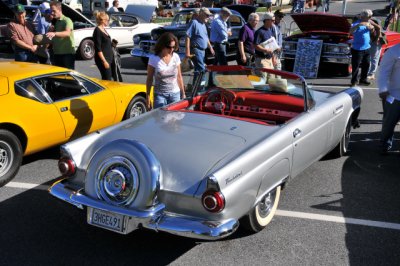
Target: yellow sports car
42,106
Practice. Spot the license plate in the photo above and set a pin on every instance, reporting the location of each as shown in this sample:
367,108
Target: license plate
108,220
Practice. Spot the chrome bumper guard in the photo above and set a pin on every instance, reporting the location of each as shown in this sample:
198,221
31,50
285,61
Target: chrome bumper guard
153,218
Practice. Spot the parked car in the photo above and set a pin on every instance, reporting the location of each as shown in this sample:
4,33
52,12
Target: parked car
122,27
144,43
334,31
196,167
43,106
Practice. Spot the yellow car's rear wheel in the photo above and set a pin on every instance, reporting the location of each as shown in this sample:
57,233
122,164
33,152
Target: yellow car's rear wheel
136,107
10,156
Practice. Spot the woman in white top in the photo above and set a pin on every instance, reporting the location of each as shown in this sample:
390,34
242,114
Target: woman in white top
165,68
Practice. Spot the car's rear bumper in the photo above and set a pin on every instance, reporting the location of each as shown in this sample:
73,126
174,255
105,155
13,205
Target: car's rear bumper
154,218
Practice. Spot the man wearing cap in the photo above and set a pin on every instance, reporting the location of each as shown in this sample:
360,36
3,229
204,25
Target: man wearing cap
62,37
279,39
219,36
268,30
44,23
246,40
43,27
22,33
197,41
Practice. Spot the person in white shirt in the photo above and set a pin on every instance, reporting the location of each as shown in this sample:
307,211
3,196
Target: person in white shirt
389,92
114,7
165,68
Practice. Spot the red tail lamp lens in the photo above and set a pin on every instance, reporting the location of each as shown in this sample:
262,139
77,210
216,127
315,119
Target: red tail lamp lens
66,166
213,201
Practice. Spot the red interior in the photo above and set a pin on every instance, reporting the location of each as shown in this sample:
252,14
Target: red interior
252,106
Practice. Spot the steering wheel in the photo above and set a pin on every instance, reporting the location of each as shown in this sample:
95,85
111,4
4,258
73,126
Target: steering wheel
218,100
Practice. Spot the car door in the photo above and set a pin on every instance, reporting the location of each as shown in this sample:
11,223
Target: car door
121,28
83,105
33,111
310,134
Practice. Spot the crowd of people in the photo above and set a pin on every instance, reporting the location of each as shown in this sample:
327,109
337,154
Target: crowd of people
53,41
54,29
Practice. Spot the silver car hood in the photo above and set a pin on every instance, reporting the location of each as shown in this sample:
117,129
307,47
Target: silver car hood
189,146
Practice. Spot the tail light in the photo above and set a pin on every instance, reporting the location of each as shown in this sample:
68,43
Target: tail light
66,166
213,201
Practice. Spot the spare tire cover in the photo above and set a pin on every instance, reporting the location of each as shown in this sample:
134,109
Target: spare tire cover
136,171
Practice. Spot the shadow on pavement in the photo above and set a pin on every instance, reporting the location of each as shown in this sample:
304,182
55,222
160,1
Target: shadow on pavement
370,189
40,230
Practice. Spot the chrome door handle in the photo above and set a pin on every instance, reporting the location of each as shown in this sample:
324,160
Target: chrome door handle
64,109
296,132
338,110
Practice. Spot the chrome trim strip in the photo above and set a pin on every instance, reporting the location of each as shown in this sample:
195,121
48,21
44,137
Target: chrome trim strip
153,218
140,53
190,227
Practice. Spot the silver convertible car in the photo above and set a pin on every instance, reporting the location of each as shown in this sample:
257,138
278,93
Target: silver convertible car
199,167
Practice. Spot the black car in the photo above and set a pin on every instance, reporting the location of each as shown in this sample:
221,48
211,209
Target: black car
144,43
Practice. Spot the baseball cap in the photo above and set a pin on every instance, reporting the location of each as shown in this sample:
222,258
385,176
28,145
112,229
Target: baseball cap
269,16
19,8
226,11
44,7
206,11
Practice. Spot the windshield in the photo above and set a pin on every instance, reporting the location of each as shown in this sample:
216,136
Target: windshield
181,19
254,80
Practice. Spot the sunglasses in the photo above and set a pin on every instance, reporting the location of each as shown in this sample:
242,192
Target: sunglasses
170,46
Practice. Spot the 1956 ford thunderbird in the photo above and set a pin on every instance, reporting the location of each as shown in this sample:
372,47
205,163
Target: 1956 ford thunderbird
197,167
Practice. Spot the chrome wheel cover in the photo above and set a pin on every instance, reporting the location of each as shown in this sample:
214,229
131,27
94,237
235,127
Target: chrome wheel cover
137,109
6,157
88,50
266,204
117,181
